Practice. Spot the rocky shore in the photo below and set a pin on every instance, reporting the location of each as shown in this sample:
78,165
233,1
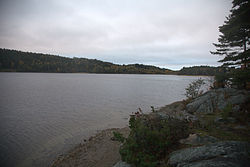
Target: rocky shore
219,134
97,151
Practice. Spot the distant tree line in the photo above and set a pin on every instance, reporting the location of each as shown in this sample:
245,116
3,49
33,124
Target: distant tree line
201,70
18,61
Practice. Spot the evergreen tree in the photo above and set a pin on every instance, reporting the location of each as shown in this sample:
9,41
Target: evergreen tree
234,39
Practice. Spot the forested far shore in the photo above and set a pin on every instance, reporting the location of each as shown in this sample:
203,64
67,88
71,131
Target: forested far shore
201,70
18,61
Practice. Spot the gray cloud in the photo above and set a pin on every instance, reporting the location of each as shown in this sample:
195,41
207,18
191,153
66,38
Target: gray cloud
165,33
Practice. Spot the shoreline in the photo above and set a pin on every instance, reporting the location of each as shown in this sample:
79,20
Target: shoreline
207,128
104,73
98,151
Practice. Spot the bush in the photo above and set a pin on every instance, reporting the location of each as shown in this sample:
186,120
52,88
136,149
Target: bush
152,109
150,139
194,89
221,80
118,137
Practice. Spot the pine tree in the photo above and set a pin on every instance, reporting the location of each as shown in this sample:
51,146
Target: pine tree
234,39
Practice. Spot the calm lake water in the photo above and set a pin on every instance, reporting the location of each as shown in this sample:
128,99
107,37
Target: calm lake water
45,114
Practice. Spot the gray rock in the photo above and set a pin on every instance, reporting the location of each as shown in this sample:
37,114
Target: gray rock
180,115
237,99
195,139
203,103
219,120
234,160
218,99
189,117
175,110
163,115
221,100
122,164
211,154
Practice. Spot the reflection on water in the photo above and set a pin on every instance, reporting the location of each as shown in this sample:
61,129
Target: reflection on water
44,114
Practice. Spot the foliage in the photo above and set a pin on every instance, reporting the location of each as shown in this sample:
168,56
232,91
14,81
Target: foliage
221,80
12,60
152,109
194,89
234,40
201,70
151,139
118,137
235,34
240,77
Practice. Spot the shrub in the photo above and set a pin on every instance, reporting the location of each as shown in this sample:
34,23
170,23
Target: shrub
221,80
152,109
118,137
194,89
150,140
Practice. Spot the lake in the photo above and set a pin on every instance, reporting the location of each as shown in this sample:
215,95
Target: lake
45,114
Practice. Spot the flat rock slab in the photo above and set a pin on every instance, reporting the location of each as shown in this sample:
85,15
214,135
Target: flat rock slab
220,154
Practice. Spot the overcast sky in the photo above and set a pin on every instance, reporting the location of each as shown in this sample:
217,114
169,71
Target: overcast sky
165,33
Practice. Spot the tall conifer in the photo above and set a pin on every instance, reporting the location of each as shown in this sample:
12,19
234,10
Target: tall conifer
233,43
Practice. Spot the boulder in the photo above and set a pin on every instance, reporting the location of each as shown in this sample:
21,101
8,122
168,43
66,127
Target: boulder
180,115
226,153
176,111
218,99
237,99
204,103
234,160
195,139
